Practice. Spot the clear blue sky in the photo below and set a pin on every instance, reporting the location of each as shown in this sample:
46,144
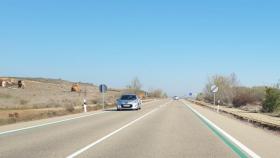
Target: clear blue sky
173,45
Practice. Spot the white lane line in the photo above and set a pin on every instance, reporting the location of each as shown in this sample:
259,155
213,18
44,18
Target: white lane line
60,121
231,138
150,102
113,133
51,123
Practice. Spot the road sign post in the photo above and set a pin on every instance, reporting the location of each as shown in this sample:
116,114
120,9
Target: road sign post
214,90
103,100
103,89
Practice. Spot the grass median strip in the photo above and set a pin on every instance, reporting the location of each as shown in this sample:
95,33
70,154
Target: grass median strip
240,149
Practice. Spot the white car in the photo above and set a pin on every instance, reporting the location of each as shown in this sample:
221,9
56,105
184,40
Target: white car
176,98
129,101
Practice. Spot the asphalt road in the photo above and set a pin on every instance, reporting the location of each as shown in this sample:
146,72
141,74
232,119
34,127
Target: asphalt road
162,129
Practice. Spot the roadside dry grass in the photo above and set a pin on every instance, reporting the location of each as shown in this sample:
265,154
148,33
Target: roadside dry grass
21,115
47,93
44,98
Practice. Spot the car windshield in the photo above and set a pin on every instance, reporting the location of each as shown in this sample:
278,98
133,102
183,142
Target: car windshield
128,97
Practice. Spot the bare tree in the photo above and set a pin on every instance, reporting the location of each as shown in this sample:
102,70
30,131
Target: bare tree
226,86
157,93
135,85
277,85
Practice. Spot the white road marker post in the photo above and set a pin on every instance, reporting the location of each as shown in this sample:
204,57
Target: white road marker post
85,101
85,105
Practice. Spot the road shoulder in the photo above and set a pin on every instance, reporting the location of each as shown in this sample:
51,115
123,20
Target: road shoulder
10,128
262,142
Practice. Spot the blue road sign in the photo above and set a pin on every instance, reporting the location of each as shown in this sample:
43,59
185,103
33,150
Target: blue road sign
103,88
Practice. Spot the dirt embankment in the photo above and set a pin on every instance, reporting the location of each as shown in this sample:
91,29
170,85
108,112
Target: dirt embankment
259,119
43,98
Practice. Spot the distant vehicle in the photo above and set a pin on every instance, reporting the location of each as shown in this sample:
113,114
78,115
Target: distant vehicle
176,98
129,101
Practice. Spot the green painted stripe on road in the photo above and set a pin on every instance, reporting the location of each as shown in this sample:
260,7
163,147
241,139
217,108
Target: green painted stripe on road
233,147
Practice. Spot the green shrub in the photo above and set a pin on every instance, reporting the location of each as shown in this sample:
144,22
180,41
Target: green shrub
272,100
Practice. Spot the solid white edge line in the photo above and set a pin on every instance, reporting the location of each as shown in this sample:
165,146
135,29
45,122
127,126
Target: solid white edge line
55,122
112,133
231,138
60,121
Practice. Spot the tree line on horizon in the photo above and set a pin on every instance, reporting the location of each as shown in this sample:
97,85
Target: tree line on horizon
232,93
136,86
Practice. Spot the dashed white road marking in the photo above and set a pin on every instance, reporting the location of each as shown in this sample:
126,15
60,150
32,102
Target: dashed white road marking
60,121
114,132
